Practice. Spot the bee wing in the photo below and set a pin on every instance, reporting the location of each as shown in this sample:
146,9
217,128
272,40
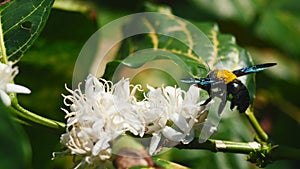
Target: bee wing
252,69
222,104
200,81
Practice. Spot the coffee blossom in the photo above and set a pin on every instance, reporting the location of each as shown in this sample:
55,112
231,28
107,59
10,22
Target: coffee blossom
97,116
7,74
172,115
101,112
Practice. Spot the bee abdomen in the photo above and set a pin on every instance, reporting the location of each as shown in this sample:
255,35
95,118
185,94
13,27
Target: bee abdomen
238,95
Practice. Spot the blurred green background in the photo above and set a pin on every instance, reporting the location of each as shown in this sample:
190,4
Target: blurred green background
268,29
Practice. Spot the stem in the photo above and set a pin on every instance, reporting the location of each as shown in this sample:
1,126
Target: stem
256,126
222,146
277,153
3,56
22,112
74,6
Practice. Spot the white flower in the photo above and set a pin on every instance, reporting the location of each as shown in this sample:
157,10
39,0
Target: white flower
104,111
7,74
172,115
100,114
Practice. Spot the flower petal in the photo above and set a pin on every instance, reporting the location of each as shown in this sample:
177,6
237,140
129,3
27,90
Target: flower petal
122,89
101,145
14,88
172,134
180,122
192,94
207,130
154,143
5,98
189,137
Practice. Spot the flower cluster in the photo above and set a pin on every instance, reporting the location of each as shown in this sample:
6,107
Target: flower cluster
105,111
7,74
171,105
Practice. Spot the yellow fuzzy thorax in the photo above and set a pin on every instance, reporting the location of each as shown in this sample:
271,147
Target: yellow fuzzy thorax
226,75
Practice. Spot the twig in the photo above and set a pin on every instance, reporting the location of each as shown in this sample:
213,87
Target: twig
26,114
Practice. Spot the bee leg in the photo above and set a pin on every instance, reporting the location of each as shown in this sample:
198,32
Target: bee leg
243,107
206,101
232,105
221,107
222,104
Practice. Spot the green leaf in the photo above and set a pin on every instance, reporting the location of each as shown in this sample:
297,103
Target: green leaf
228,55
276,22
242,11
279,24
110,68
204,159
51,60
21,23
196,47
15,148
167,164
167,37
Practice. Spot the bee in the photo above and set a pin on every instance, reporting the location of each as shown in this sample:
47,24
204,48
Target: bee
226,85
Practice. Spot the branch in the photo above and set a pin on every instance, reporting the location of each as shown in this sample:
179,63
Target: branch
222,146
26,114
262,135
258,153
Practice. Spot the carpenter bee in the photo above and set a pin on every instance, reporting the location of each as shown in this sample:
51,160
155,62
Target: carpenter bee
225,85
